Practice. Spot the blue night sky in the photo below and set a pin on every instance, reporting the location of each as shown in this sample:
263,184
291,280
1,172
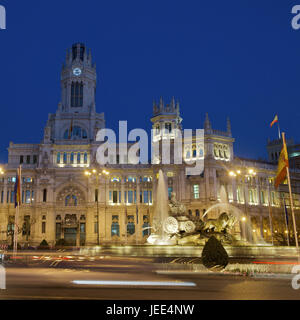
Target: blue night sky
229,58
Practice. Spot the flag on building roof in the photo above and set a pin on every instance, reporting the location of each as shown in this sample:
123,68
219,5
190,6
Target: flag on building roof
274,121
283,164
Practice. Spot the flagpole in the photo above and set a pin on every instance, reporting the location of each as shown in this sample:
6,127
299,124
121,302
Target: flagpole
271,223
291,199
278,130
16,229
286,222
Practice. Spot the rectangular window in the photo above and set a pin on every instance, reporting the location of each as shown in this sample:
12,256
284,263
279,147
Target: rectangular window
250,196
65,158
82,227
95,227
35,159
12,200
262,196
7,197
115,196
27,196
28,159
2,196
58,231
120,196
196,191
130,196
21,159
43,227
170,190
45,195
238,193
32,196
78,157
146,198
125,196
23,195
273,197
58,158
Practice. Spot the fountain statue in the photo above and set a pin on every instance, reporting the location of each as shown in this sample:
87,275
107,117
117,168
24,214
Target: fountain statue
172,225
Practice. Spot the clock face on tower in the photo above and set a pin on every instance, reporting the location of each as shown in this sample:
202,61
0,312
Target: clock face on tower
77,72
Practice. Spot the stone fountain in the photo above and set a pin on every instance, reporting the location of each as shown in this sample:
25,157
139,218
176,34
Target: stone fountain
172,225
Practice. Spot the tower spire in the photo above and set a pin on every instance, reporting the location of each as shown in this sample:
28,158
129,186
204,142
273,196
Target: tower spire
228,126
207,123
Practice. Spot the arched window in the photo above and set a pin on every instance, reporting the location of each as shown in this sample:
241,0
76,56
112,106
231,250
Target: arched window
71,200
115,229
130,225
131,228
76,94
58,158
197,213
85,158
194,153
78,157
65,158
72,158
188,155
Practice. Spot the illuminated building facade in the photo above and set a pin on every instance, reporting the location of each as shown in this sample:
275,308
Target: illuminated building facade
67,195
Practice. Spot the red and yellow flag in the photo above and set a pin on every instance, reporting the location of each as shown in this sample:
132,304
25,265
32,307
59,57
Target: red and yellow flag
283,164
274,121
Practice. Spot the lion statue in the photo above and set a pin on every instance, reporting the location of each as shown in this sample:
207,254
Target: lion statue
224,223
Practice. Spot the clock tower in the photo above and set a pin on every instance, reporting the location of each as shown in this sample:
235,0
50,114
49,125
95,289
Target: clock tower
78,81
76,117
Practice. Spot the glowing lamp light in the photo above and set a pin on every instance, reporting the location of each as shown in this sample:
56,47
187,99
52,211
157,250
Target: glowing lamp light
244,219
232,174
254,230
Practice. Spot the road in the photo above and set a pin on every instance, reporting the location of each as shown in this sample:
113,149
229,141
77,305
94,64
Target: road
55,275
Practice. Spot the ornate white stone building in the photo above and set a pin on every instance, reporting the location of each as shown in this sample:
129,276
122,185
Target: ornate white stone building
61,200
